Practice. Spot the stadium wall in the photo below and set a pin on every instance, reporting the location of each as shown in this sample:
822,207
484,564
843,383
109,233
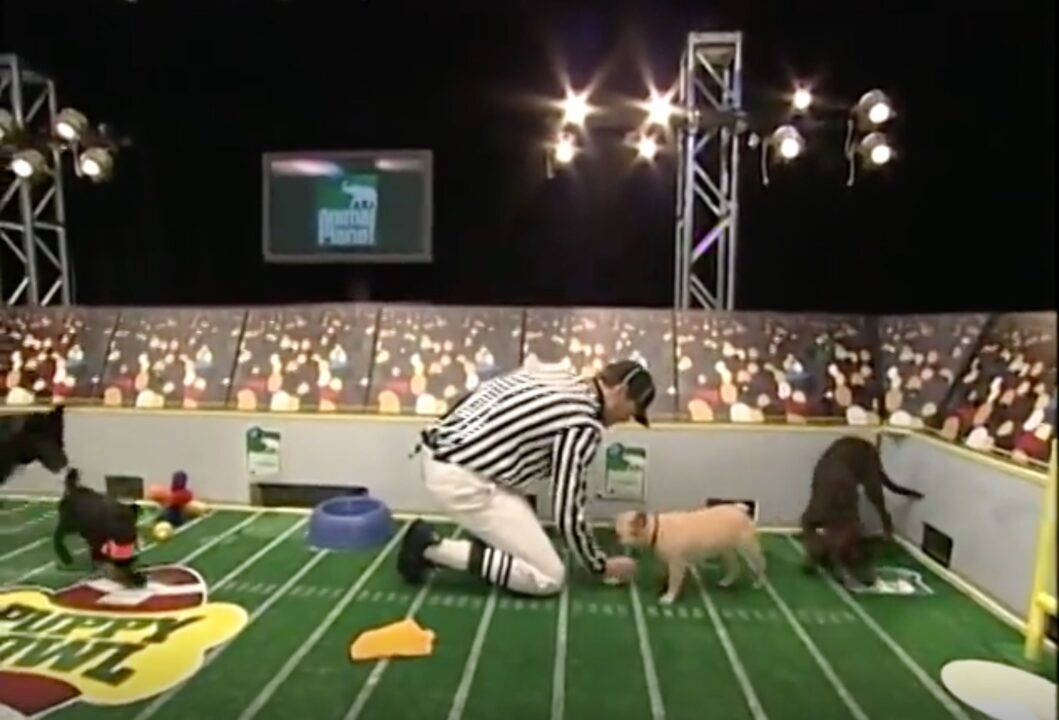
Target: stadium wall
989,510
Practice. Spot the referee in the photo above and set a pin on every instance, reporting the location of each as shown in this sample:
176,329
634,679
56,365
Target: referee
513,430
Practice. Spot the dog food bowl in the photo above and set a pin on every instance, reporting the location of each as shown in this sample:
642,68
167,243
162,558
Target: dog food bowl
350,523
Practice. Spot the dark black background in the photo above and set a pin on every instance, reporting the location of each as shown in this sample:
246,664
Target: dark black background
205,87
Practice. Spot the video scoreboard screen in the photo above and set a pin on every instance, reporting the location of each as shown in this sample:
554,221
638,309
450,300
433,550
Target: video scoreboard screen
363,206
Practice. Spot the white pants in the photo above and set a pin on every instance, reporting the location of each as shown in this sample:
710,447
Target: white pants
518,553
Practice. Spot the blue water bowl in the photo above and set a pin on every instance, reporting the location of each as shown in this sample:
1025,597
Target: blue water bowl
350,523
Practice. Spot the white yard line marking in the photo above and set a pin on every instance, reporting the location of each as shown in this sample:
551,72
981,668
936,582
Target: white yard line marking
26,526
258,611
284,672
459,701
559,673
375,677
967,587
23,548
741,675
80,551
829,672
658,711
213,542
241,568
21,508
932,687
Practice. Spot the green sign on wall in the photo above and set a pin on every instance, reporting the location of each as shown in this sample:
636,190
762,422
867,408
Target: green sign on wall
625,473
262,452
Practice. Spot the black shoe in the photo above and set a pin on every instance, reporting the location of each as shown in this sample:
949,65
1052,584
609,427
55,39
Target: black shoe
411,562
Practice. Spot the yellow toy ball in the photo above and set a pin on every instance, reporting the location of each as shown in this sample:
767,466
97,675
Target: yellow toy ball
162,531
195,508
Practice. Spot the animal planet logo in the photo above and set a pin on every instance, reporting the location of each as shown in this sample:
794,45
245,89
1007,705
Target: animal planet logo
103,644
347,211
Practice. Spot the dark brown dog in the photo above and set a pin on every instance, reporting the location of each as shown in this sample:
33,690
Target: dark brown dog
26,438
832,533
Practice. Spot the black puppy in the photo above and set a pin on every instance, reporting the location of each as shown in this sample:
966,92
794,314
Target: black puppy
107,526
831,527
32,437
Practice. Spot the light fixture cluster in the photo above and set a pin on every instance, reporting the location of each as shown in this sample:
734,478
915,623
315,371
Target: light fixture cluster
26,153
865,139
651,121
866,142
786,142
782,142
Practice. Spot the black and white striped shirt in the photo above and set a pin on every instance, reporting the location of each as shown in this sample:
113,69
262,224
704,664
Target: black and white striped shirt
529,425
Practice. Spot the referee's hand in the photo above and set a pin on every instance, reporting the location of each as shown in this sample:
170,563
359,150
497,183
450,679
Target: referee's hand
619,569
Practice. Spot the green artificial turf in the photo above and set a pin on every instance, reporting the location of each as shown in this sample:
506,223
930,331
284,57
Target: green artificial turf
793,651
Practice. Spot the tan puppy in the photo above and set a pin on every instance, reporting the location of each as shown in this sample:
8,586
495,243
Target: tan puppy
682,539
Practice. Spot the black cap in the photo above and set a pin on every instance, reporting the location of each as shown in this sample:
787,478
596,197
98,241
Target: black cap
638,382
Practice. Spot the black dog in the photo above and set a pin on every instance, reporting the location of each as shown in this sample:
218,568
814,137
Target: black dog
849,463
32,437
107,526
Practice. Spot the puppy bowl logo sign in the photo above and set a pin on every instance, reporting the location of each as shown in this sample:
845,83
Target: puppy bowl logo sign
100,643
347,210
262,452
625,469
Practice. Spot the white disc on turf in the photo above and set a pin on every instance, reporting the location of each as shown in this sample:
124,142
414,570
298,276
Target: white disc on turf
1000,691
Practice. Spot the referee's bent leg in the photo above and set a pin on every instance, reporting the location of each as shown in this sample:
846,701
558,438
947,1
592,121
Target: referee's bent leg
509,547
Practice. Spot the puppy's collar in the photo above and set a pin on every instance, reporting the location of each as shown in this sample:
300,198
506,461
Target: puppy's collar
654,533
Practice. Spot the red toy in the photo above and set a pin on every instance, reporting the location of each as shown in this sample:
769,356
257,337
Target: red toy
178,503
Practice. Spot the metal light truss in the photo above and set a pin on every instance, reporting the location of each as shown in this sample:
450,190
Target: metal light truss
34,263
710,97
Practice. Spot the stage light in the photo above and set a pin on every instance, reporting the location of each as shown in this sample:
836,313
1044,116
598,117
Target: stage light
876,149
660,109
7,124
874,108
647,147
70,124
27,163
802,99
575,109
784,141
788,142
565,149
96,164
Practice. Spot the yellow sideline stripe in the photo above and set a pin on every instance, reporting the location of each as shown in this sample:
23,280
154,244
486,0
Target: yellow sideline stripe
1034,472
1042,603
220,409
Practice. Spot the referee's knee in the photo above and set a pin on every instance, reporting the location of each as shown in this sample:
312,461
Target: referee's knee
549,582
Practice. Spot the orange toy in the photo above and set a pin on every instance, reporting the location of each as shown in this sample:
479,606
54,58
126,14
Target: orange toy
400,639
